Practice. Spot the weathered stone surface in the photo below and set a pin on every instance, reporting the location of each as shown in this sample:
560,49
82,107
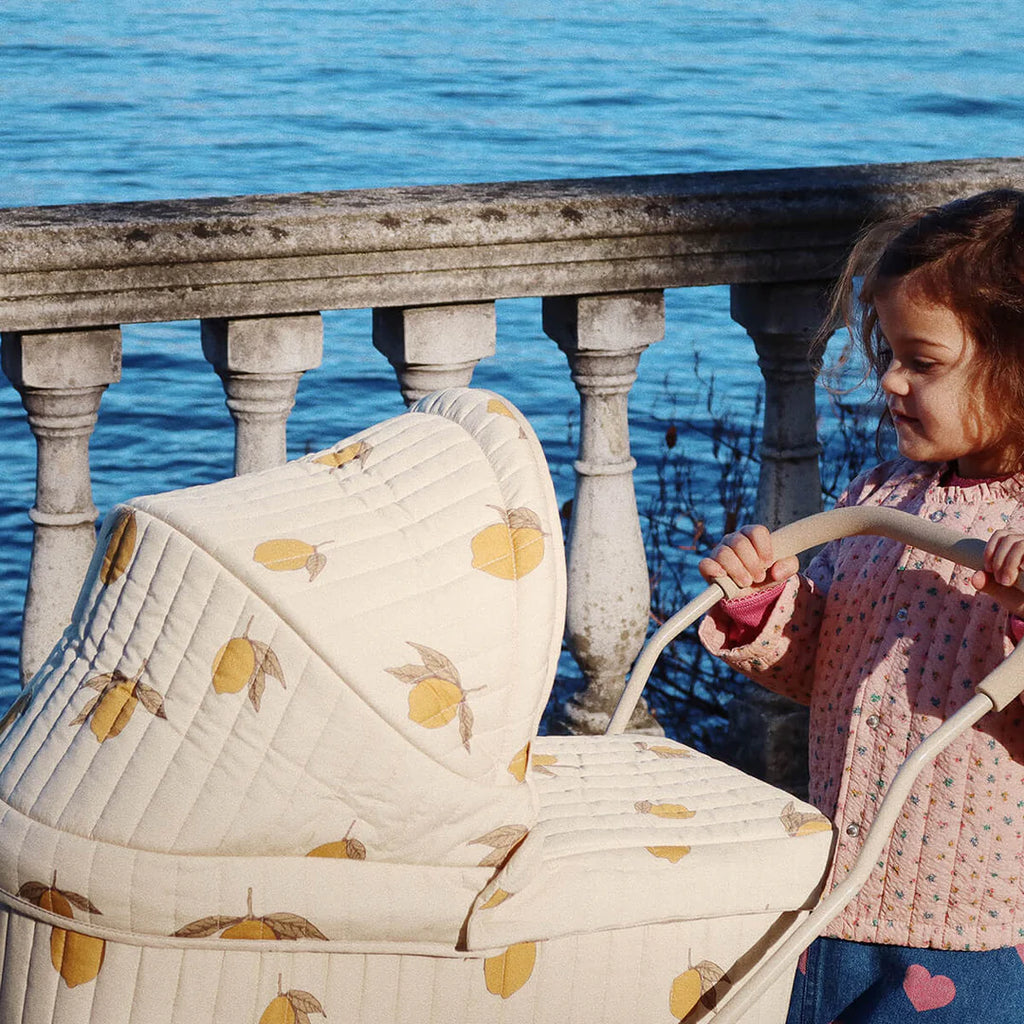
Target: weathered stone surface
260,361
433,347
61,376
66,266
609,598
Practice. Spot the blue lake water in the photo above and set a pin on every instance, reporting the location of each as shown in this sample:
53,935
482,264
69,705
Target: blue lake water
114,100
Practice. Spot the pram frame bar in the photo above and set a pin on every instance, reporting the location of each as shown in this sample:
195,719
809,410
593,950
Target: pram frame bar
994,692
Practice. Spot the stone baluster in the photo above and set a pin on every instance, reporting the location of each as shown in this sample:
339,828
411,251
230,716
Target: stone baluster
61,376
770,732
260,361
433,347
603,337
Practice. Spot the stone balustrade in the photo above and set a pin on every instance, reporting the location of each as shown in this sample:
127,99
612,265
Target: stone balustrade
430,262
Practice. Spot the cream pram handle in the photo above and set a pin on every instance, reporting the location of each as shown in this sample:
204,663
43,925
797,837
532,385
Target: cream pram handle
1001,686
994,692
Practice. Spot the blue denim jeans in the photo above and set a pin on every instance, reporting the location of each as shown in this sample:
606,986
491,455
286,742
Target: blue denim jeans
842,982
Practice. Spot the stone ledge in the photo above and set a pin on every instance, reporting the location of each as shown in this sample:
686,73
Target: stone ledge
68,266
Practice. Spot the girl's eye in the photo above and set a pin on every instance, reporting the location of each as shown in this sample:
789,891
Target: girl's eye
921,365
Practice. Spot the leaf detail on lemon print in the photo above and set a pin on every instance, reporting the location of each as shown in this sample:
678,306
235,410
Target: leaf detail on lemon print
673,854
76,957
803,823
343,849
291,1007
539,763
119,695
663,751
244,662
437,696
120,547
15,710
704,983
512,548
504,840
663,810
281,925
508,972
286,554
350,453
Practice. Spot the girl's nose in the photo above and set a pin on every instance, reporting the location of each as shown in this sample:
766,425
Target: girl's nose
893,382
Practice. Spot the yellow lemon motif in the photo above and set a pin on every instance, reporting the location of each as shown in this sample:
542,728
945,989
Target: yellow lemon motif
673,854
120,547
508,972
291,1007
664,810
76,957
814,826
512,548
494,405
282,925
358,450
280,1011
686,990
434,702
803,823
343,849
517,766
234,665
283,555
249,928
114,710
496,897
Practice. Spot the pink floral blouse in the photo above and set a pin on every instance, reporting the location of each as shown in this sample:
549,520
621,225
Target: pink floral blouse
884,642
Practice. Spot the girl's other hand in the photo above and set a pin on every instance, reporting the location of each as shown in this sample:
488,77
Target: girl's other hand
746,557
1004,560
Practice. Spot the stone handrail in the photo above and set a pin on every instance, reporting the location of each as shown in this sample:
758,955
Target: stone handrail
430,261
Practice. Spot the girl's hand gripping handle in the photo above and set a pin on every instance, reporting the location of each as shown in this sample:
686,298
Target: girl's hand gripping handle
747,558
1000,686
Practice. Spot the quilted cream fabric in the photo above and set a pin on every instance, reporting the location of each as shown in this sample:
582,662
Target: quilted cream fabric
284,764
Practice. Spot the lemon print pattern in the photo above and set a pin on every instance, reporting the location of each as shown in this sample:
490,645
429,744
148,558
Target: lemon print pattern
517,766
501,409
291,1007
511,548
352,453
673,854
119,695
15,710
245,663
497,897
286,554
436,696
76,957
663,810
120,547
704,983
803,823
502,840
280,925
662,750
342,849
508,972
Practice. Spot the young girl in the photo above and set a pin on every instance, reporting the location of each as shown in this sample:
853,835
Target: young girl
884,641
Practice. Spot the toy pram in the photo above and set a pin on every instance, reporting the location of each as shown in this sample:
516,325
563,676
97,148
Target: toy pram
284,764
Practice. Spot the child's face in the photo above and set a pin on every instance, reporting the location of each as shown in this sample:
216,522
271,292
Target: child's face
932,388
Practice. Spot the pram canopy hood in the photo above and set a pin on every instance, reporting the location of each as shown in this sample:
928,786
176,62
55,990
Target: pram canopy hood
345,657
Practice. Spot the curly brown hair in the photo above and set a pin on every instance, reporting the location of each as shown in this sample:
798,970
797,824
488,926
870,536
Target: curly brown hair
967,255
